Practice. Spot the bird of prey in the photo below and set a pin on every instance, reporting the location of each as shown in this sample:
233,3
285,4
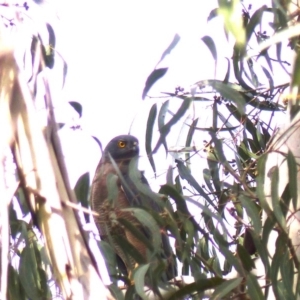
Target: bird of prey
126,205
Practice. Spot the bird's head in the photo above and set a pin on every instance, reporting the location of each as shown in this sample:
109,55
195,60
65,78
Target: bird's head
122,147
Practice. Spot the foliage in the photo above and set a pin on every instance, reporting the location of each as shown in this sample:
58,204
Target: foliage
216,218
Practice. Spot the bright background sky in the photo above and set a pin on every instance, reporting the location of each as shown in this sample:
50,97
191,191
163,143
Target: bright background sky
111,48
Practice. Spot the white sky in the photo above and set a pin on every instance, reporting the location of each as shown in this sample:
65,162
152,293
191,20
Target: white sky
112,47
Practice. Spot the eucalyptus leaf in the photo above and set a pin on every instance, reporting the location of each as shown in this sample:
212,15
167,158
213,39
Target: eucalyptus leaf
254,290
161,121
164,131
152,78
225,288
82,191
148,221
209,42
139,280
173,44
149,132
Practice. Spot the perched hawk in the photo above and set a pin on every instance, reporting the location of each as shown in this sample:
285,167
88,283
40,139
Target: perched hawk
122,197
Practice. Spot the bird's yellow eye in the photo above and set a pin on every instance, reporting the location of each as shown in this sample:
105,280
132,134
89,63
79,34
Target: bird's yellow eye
121,144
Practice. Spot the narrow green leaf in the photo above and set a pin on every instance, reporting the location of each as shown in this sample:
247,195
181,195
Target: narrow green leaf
238,68
52,40
138,232
173,44
189,138
148,221
209,42
268,227
214,115
203,248
276,262
213,165
28,273
139,280
15,290
44,257
77,106
181,207
198,286
254,290
260,137
227,91
225,288
245,258
212,14
266,56
233,22
221,129
249,126
190,231
49,50
161,121
212,215
44,288
207,178
14,222
280,14
110,258
285,200
220,153
275,197
225,80
287,274
128,249
33,48
178,185
131,293
253,78
292,166
22,201
191,133
116,292
255,20
112,188
175,195
82,191
98,142
136,184
261,247
243,151
270,79
186,174
278,53
260,180
252,211
167,127
65,72
229,256
149,132
152,78
248,242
